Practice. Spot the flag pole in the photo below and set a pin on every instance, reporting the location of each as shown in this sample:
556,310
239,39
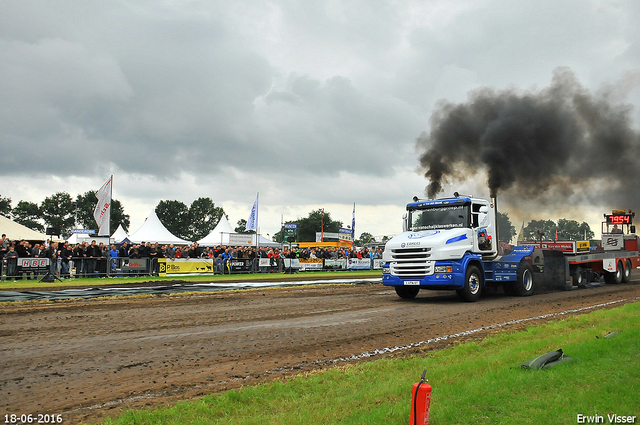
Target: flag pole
110,204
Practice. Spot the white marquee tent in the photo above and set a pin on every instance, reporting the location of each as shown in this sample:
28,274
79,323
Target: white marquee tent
16,231
76,238
152,230
220,236
119,235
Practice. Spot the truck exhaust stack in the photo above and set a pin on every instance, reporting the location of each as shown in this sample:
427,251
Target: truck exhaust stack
494,199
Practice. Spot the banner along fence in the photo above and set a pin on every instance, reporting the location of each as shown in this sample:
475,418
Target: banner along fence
123,266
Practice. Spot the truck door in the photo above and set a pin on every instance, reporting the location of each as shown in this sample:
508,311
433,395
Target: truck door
483,239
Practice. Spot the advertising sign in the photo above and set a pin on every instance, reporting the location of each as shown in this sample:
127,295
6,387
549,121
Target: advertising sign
33,263
290,231
184,266
378,263
237,239
310,264
335,263
291,263
327,236
264,262
612,242
239,265
359,264
135,264
345,235
564,246
83,231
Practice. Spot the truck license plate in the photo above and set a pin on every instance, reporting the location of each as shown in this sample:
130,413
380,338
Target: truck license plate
412,282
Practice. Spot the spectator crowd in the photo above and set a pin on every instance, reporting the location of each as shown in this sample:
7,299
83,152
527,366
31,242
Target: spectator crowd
91,259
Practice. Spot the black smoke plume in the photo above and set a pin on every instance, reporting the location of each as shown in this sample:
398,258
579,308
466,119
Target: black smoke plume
561,139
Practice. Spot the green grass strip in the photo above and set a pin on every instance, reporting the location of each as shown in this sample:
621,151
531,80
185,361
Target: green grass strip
473,383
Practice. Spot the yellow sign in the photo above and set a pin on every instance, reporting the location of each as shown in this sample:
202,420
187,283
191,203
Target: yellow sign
582,246
184,266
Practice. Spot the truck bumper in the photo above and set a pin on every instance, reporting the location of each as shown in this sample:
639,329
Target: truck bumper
435,281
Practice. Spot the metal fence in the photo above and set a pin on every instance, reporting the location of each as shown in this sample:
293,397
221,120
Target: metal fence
36,268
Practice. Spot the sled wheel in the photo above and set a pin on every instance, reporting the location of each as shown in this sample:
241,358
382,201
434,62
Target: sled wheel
614,277
626,272
578,276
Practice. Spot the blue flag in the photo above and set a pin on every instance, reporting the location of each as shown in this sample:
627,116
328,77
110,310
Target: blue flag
252,222
353,223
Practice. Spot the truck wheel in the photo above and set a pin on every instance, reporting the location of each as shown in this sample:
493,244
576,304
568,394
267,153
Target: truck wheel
626,273
407,292
578,276
614,277
524,285
472,285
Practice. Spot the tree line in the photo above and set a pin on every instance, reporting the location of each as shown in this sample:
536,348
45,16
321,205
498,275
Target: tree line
62,211
196,221
567,230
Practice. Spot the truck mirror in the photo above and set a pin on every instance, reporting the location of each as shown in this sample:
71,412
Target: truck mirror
632,228
405,225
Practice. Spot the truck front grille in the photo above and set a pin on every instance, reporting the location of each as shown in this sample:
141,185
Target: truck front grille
407,262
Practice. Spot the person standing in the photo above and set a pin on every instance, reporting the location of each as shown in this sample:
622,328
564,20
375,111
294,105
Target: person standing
153,258
4,248
123,251
51,252
170,252
65,255
78,257
11,257
23,252
92,253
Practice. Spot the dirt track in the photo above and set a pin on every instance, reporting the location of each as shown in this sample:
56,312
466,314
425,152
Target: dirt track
91,358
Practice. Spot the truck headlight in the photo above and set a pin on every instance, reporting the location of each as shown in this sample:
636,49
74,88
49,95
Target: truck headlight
443,269
386,270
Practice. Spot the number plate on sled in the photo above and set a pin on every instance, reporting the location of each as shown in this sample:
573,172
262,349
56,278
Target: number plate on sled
412,282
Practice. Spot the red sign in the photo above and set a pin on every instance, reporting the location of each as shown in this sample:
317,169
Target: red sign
557,246
33,263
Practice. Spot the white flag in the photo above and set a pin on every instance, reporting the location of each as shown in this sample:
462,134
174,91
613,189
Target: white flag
252,222
102,211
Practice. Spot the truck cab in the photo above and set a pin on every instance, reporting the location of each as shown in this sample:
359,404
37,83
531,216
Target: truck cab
448,243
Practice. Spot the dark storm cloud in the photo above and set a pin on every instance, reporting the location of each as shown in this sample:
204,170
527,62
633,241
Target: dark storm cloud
161,91
318,98
551,142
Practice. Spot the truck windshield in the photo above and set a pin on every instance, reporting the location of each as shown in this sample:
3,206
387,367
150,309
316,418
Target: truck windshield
442,217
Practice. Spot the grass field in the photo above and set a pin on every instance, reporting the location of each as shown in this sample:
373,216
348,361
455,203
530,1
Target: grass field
473,383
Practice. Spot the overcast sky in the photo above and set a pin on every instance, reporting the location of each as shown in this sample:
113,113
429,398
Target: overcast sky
314,104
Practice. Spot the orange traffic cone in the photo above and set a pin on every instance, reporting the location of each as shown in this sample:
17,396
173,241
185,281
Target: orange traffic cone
421,402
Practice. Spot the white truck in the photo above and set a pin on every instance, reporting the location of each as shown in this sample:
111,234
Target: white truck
451,243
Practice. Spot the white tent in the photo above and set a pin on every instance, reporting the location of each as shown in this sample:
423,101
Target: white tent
76,238
16,231
119,235
152,230
220,236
